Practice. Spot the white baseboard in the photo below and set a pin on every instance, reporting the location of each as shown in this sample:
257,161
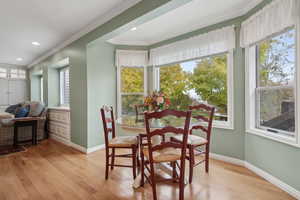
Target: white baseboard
96,148
76,146
265,175
227,159
275,181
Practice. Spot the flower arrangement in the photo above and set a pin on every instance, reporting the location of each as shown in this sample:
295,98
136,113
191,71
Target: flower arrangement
157,101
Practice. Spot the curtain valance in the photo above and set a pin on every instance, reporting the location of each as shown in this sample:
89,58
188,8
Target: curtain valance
129,58
273,18
210,43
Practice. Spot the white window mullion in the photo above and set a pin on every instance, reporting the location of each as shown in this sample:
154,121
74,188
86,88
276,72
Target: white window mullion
297,82
119,95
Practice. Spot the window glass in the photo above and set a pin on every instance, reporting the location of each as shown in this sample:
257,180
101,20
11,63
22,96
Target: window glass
132,79
198,81
132,89
65,86
275,94
3,73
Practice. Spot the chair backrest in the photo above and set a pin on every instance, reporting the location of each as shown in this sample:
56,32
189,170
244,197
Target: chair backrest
168,129
206,116
139,111
107,115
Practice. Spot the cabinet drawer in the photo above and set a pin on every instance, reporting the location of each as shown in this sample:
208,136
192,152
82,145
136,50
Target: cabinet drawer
59,116
59,129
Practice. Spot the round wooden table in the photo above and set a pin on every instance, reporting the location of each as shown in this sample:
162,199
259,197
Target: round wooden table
131,125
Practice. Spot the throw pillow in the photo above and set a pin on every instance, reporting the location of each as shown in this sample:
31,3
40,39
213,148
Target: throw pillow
22,112
12,109
35,109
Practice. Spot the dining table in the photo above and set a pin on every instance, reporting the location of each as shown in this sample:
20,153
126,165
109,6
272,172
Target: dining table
130,125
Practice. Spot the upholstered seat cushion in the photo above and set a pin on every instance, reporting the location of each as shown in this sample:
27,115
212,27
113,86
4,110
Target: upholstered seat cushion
5,115
192,139
123,141
164,155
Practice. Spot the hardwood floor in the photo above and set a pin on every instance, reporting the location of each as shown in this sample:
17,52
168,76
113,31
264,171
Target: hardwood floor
54,171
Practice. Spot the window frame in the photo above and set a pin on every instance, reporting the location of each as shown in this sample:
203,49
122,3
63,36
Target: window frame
41,79
229,124
18,74
61,87
250,94
6,73
120,94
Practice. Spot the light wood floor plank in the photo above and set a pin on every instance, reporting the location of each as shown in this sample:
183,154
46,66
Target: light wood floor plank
54,171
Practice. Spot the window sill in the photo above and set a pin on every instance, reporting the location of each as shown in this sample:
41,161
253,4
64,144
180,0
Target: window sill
271,136
227,125
63,108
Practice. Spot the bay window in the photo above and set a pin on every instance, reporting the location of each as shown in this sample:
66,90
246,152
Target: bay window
206,80
272,87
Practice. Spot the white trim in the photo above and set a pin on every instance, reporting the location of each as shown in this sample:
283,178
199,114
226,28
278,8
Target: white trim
275,181
101,20
76,146
228,159
265,175
95,148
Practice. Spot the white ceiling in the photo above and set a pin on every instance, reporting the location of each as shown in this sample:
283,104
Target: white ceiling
189,17
49,22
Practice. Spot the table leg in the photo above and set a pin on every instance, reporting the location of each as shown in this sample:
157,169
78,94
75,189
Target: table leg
15,136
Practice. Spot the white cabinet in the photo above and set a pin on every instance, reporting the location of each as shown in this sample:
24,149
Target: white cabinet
12,91
59,124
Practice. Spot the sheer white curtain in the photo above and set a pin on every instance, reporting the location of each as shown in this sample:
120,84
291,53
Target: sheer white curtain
273,18
210,43
129,58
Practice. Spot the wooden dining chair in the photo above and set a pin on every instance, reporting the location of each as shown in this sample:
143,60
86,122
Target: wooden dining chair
204,115
139,112
165,151
112,142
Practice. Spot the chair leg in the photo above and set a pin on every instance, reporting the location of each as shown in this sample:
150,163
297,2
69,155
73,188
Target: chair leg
112,158
107,163
191,162
142,170
181,181
206,158
134,161
153,182
173,164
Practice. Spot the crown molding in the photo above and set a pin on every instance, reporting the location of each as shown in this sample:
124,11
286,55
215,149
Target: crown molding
102,19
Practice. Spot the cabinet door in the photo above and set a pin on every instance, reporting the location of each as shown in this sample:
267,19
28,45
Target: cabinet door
3,92
17,91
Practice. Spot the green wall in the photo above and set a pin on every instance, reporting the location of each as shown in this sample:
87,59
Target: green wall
101,87
93,83
76,52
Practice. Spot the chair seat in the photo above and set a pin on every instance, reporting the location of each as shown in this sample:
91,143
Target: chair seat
192,139
164,155
123,141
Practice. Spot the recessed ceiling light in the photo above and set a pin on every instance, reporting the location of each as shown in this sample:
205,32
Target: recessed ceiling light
133,29
19,59
36,43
